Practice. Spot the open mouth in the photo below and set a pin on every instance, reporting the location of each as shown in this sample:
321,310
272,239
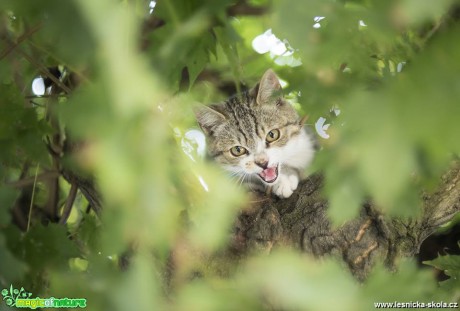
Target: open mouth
270,174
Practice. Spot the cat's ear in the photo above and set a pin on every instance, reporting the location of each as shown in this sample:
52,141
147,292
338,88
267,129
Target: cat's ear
269,86
208,118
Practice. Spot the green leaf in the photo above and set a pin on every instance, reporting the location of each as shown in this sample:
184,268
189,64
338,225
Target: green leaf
129,286
196,63
58,16
414,12
295,282
228,39
209,296
409,283
345,198
20,128
451,266
210,223
12,269
8,196
43,246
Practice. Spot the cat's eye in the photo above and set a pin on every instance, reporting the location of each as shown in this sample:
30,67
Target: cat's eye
272,136
238,151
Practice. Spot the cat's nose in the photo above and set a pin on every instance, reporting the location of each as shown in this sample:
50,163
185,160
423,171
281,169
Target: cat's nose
263,164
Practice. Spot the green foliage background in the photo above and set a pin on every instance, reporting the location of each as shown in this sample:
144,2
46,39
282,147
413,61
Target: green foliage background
397,132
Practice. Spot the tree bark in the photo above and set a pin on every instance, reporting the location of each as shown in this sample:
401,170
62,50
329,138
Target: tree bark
301,221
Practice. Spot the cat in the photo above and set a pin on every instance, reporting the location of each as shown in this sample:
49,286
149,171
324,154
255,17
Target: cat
258,137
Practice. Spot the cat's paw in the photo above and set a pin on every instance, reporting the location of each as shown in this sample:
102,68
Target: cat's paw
286,185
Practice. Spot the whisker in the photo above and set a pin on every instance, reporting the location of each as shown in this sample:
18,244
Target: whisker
242,179
250,184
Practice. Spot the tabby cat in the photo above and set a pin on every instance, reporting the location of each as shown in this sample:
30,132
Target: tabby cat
258,137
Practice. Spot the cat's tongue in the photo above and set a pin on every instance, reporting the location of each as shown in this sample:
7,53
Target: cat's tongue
269,174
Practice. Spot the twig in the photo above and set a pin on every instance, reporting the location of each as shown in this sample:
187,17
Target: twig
87,188
32,199
45,96
31,60
26,35
32,180
243,8
73,70
45,71
68,204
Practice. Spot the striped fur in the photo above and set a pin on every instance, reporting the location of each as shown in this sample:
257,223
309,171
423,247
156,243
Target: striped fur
245,120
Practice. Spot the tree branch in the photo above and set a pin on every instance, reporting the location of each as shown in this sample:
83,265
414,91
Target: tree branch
68,204
243,8
87,188
24,182
301,221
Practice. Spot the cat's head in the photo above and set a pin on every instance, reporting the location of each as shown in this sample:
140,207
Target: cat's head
255,134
